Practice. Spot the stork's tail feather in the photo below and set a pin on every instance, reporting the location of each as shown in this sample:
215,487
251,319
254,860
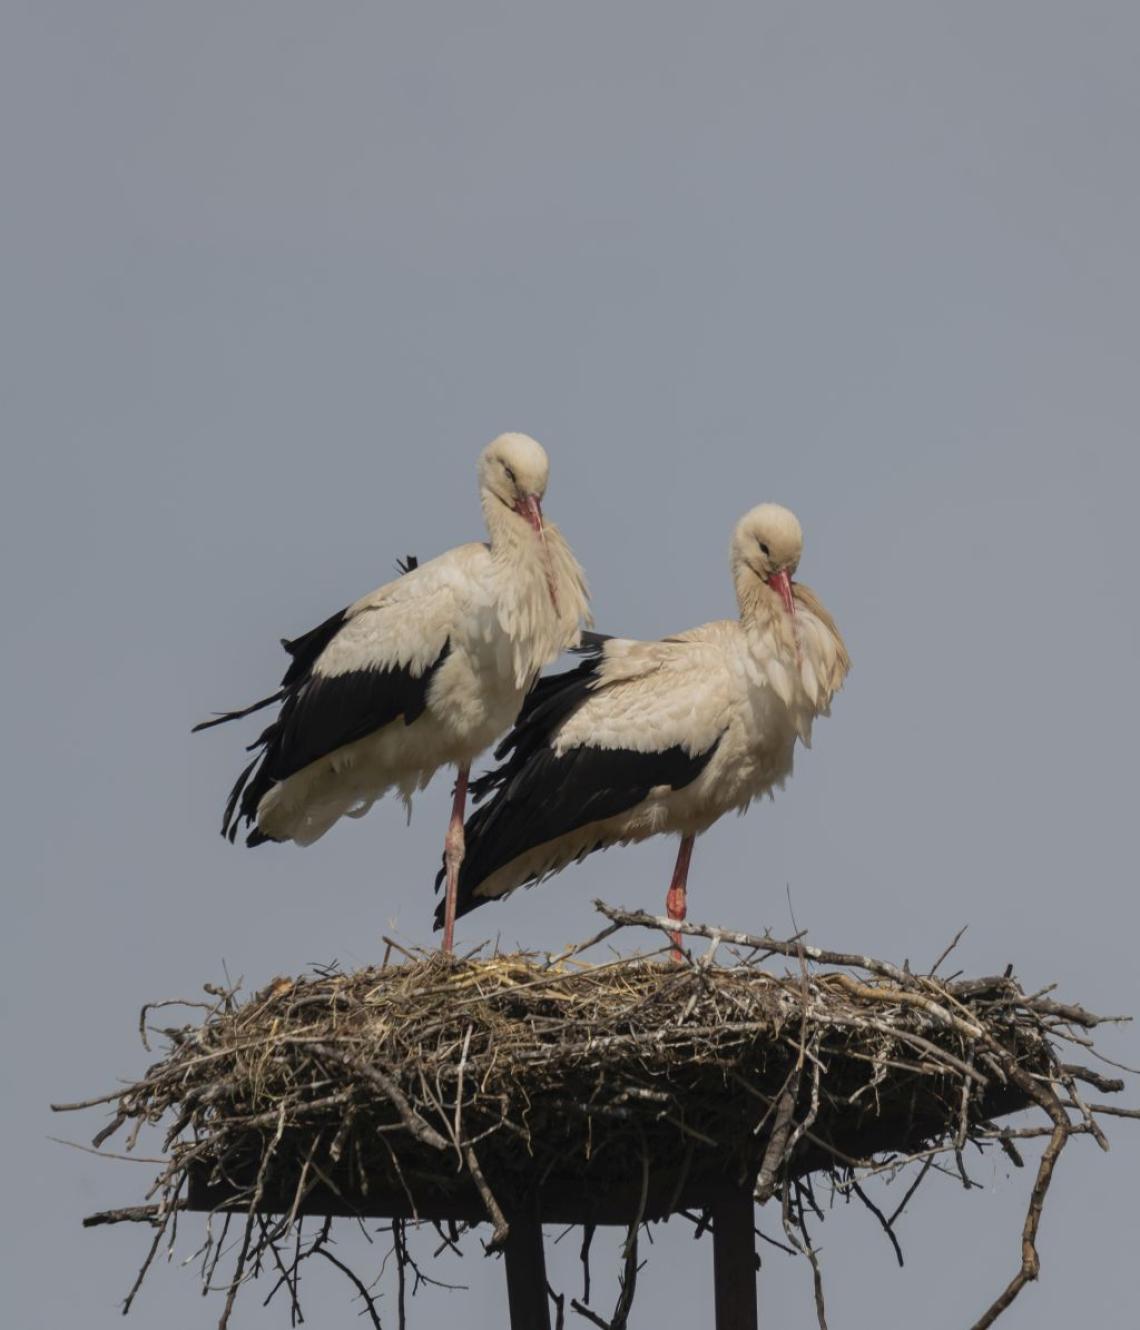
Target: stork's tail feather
231,817
253,785
223,716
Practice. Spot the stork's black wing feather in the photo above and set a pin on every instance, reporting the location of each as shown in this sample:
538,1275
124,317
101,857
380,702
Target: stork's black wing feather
304,650
319,715
536,795
223,716
591,643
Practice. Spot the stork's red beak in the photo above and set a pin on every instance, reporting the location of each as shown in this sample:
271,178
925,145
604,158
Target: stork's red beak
782,583
529,507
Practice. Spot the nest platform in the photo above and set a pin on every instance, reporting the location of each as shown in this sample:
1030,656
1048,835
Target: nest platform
521,1089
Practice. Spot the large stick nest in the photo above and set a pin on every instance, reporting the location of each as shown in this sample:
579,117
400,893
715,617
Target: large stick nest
462,1090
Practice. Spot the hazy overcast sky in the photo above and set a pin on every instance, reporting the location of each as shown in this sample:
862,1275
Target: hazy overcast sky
273,273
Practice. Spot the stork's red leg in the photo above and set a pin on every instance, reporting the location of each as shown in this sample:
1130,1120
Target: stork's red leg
675,900
453,855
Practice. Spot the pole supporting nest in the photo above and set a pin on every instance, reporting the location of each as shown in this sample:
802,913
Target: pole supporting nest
734,1259
526,1271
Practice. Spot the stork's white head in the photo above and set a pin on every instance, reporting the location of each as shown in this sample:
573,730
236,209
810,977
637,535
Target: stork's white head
514,470
766,547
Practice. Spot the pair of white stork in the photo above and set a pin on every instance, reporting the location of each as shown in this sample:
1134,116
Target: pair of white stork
641,738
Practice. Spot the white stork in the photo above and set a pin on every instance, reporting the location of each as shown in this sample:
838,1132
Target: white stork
667,736
428,670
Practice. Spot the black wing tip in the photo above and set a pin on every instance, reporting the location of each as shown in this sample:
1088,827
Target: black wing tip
223,716
464,904
408,564
255,837
591,643
219,719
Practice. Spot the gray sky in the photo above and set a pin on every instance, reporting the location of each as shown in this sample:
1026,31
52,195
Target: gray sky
274,272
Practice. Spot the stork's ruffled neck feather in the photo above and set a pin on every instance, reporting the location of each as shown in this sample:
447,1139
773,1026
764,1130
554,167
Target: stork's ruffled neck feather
541,597
802,658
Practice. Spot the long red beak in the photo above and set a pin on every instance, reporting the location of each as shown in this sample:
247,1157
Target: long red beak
782,583
530,508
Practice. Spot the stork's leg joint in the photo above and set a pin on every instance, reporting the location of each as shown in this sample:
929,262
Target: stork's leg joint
676,905
454,845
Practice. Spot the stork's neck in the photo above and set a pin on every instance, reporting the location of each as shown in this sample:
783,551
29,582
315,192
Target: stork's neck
512,536
540,592
804,660
763,616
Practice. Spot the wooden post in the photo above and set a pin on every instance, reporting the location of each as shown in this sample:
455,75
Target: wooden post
526,1272
734,1260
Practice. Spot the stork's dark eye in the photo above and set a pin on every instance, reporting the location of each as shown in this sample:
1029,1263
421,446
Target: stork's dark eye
764,549
510,474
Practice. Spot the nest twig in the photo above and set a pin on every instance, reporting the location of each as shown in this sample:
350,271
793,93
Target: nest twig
457,1091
